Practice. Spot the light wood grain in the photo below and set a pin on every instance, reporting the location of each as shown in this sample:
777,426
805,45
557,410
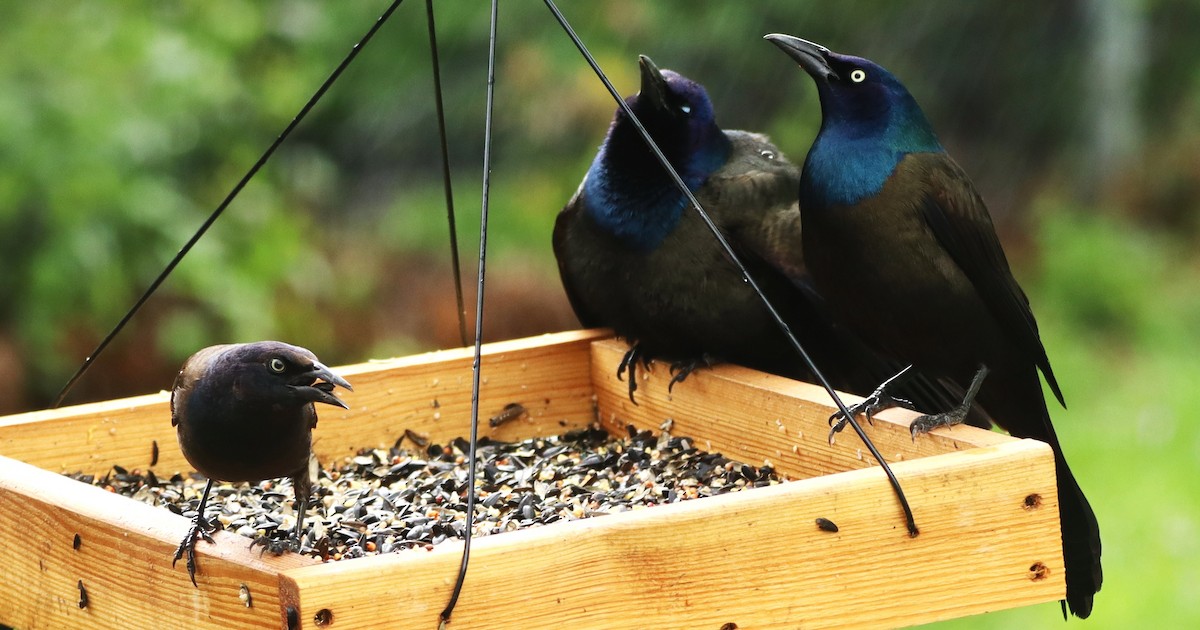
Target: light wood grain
123,560
753,558
427,393
430,394
754,417
92,437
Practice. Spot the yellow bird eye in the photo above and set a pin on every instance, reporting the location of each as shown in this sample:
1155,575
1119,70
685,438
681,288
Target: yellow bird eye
858,75
277,365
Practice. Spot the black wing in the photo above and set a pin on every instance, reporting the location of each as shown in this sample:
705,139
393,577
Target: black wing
960,221
570,213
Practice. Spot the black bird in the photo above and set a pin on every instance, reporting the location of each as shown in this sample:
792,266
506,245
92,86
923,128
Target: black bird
244,412
634,257
902,247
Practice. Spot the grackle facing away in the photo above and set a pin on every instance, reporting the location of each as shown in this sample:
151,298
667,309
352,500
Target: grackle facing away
634,257
902,247
244,412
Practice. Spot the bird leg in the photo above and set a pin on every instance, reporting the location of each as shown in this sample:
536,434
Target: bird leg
279,546
929,422
200,527
680,370
879,400
293,542
629,362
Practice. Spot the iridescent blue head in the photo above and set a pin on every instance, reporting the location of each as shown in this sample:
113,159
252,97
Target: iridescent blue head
627,191
869,123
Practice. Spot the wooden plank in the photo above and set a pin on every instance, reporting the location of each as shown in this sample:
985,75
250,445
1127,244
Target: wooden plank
754,417
549,375
123,560
752,558
93,437
427,393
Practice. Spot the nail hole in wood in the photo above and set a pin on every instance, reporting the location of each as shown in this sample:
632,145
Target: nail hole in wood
1038,572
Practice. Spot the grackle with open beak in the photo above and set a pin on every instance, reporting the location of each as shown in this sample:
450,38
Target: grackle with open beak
244,412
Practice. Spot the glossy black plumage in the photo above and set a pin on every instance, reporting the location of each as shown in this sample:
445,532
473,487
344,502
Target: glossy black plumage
903,249
244,412
633,257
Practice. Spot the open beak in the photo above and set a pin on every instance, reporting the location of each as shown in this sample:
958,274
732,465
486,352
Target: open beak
813,58
654,86
322,390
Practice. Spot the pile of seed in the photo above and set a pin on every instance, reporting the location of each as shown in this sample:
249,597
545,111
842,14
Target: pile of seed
384,500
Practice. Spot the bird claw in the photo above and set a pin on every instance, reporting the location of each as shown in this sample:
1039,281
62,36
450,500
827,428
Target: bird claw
869,407
629,362
874,404
879,400
200,527
680,370
277,546
929,422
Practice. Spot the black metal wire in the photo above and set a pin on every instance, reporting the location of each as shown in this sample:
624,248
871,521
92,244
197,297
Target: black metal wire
312,101
787,331
455,268
483,224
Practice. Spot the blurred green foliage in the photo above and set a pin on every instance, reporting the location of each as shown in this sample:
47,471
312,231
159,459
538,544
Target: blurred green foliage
122,125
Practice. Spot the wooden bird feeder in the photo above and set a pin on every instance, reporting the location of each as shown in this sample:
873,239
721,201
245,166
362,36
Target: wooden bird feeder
986,505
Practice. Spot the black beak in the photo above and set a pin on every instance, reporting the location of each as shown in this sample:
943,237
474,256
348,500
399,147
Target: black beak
654,86
322,392
814,58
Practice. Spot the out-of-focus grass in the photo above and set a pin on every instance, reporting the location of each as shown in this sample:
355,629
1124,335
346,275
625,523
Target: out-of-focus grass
1120,317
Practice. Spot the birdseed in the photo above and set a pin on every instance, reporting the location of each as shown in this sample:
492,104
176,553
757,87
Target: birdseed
388,500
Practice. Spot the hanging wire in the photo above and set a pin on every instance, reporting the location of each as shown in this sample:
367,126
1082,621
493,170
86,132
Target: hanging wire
212,218
483,224
787,331
441,118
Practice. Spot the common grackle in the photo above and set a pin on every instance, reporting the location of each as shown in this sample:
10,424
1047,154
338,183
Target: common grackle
634,257
244,412
902,247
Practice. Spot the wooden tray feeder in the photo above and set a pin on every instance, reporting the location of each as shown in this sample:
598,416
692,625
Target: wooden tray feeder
986,505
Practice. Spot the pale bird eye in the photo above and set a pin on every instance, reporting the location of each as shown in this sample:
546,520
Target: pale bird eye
687,109
766,154
277,365
858,75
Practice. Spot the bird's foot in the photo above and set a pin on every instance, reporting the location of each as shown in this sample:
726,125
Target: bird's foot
680,370
277,546
629,363
879,400
200,527
929,422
